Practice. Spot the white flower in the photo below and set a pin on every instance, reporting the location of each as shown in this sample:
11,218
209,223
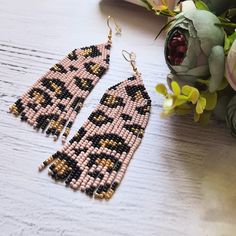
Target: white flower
230,66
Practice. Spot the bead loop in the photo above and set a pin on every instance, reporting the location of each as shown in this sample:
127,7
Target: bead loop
131,60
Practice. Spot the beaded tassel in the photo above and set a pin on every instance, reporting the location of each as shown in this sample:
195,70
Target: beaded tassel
96,158
54,101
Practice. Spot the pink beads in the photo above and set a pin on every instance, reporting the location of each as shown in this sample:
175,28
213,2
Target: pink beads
54,101
99,154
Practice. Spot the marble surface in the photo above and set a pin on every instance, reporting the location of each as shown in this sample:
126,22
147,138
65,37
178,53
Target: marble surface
181,181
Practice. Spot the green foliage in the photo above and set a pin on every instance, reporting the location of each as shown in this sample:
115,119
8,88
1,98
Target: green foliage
147,4
227,25
231,13
201,5
229,41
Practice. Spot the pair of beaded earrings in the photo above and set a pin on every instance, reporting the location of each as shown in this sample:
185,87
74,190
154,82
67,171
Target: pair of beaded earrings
96,158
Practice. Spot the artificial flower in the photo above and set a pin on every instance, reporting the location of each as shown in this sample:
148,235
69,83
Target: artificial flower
231,115
194,48
186,98
163,7
230,66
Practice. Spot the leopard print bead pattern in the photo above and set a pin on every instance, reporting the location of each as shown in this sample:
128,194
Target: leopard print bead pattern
53,102
96,158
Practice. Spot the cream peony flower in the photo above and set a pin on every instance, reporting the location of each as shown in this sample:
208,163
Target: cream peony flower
230,66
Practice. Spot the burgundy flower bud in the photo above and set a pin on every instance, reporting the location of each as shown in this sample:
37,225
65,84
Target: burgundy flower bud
177,47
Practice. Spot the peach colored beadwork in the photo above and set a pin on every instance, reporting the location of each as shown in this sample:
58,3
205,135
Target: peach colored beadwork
96,158
54,101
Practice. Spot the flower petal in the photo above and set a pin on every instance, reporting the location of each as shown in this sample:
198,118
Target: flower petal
180,100
161,88
175,88
216,67
191,92
230,66
201,104
168,103
194,96
186,90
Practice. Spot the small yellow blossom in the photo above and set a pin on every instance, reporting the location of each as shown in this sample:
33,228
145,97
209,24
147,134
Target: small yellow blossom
182,100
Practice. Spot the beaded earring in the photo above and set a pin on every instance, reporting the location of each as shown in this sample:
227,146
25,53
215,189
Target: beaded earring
96,158
54,101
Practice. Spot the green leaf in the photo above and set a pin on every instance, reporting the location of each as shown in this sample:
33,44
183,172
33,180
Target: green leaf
201,5
223,19
224,84
165,27
227,44
204,118
231,13
211,100
227,25
229,41
147,4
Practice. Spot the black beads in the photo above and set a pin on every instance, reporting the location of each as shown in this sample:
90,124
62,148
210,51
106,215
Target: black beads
73,68
59,68
58,87
112,101
40,96
79,135
73,56
110,141
126,117
142,110
108,46
83,83
94,69
91,51
137,92
99,118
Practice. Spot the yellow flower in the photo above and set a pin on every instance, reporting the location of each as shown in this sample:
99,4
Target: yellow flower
163,9
182,100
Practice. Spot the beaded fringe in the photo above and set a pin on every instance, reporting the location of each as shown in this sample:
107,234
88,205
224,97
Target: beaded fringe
96,158
54,101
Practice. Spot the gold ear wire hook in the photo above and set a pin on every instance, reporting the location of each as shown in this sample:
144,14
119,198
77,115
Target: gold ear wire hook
131,60
117,28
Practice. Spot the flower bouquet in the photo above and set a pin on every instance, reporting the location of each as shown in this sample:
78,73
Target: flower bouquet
200,51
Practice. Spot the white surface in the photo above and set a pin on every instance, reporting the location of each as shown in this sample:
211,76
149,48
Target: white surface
181,180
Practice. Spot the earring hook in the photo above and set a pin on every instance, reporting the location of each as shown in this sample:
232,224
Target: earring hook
131,60
117,27
131,55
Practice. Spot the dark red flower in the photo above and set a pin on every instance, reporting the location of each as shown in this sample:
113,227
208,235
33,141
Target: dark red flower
177,47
